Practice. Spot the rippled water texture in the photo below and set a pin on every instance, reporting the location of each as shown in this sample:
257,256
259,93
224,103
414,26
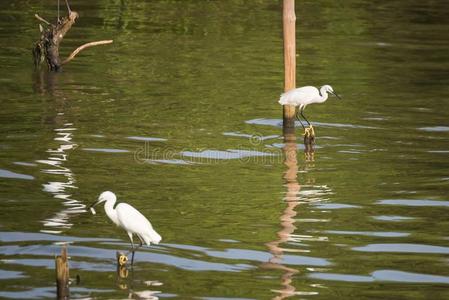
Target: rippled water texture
179,117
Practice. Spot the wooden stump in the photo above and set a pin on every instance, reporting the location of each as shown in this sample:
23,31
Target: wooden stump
62,275
47,48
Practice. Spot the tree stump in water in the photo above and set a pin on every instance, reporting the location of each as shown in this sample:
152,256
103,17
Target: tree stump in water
62,274
47,48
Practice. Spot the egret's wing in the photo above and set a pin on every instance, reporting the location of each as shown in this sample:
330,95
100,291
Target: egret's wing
133,221
299,96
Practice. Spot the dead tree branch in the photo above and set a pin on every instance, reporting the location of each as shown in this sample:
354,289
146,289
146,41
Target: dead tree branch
82,47
47,48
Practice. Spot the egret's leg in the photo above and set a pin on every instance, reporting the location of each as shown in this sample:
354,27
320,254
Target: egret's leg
132,258
58,13
299,119
309,132
140,243
131,239
132,247
302,114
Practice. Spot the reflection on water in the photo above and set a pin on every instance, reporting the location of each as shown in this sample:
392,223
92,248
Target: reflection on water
57,161
125,281
287,236
364,216
287,221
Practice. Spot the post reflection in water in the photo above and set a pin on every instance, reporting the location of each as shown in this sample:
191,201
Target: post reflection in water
286,233
56,162
125,282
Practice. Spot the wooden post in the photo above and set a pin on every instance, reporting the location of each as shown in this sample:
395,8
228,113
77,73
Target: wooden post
62,274
289,23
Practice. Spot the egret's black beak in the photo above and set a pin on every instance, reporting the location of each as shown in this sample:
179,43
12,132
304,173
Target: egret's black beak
336,95
93,204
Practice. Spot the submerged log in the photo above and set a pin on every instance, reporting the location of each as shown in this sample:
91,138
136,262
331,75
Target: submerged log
47,48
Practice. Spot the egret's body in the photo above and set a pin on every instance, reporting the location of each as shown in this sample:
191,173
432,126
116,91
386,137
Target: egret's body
128,218
303,96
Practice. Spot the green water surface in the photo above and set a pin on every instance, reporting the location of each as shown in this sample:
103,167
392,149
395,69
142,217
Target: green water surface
179,117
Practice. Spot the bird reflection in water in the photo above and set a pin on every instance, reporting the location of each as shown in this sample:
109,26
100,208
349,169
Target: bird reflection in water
125,282
45,83
287,219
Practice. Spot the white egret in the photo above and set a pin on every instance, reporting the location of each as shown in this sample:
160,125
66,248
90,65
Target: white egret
303,96
128,218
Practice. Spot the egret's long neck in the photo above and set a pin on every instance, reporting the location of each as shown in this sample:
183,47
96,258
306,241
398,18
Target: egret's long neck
110,211
324,95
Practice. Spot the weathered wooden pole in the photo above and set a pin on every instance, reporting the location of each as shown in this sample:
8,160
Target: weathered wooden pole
62,274
289,23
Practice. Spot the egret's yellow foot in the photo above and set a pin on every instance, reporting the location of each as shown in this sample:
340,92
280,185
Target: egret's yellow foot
306,132
311,131
122,259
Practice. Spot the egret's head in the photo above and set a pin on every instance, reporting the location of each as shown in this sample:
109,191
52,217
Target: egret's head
105,196
328,89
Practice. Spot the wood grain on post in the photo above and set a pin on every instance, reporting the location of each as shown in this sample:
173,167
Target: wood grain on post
289,25
62,274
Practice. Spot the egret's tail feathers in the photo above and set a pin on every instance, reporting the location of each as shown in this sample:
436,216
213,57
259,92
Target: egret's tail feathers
284,99
151,237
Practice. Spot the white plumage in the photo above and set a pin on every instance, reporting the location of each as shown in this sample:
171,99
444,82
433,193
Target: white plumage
306,95
303,96
129,218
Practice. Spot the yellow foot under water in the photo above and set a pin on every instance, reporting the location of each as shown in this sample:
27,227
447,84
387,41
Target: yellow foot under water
306,132
311,131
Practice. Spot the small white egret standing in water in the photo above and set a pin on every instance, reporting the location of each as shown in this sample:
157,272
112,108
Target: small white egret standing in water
128,218
304,96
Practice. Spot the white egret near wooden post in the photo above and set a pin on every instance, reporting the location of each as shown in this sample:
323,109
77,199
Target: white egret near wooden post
128,218
303,96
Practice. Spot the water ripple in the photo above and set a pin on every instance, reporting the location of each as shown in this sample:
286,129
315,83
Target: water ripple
146,139
370,233
142,256
399,276
16,236
393,218
106,150
383,275
435,129
11,274
403,248
225,155
9,174
278,123
335,206
410,202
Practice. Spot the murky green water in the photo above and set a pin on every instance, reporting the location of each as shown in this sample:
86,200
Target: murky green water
180,118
